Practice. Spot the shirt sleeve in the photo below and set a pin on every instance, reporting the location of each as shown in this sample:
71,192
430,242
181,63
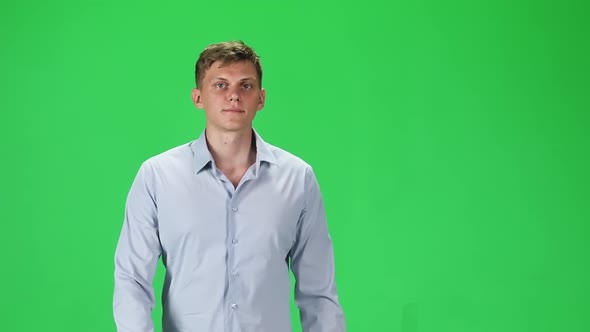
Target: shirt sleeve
312,263
136,256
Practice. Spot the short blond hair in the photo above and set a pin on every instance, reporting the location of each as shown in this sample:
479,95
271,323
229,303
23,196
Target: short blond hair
226,52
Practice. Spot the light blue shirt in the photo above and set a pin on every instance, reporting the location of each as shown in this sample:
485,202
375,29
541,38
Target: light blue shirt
227,251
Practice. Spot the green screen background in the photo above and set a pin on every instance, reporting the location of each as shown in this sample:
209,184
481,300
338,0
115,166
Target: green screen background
450,139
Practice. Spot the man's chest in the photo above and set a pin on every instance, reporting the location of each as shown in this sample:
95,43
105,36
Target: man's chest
202,217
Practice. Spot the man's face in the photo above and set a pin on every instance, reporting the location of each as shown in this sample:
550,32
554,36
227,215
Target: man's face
230,95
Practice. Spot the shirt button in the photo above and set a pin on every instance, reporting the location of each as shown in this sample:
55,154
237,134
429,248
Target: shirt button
234,273
234,241
234,209
234,306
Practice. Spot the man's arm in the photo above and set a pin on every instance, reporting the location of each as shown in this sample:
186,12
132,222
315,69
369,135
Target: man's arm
136,257
312,262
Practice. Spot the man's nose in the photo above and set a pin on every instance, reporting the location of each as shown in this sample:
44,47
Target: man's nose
233,95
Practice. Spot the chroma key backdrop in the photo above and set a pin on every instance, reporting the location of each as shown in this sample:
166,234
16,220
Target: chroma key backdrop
450,139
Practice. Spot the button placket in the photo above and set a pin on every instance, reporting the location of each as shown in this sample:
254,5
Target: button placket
232,251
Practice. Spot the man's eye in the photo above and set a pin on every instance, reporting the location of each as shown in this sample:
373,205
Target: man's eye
247,85
220,85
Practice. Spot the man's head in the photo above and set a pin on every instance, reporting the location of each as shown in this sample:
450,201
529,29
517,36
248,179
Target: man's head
229,87
226,53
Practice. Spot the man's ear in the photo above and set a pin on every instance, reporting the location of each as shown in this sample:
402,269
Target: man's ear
261,99
197,100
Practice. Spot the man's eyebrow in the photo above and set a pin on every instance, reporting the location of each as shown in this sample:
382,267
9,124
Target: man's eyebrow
249,78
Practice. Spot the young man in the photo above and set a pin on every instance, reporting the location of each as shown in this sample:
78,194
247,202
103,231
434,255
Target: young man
229,214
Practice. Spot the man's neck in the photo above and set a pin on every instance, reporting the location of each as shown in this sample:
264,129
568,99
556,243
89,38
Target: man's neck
231,150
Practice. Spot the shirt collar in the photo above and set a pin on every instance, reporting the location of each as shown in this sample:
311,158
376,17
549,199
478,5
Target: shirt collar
202,156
